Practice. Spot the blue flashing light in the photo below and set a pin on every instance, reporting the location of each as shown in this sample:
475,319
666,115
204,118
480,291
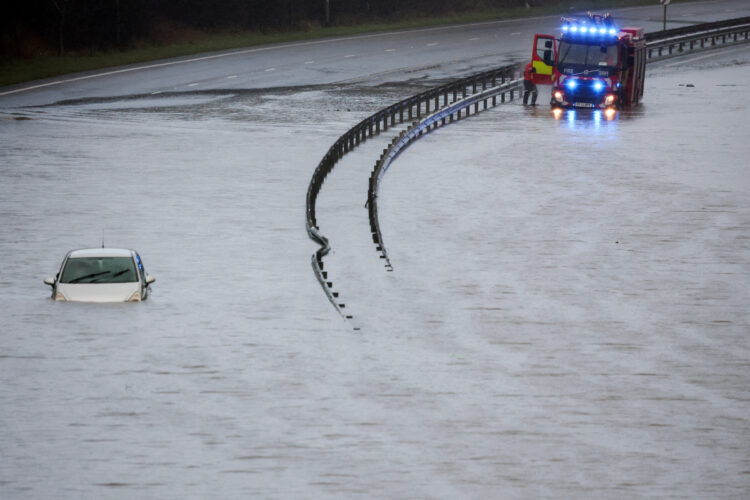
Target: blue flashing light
599,27
571,83
598,86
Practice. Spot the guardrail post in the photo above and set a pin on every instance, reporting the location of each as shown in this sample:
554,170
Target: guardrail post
419,109
410,116
427,105
401,115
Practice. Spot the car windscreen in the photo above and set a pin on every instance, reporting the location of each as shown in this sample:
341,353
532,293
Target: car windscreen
99,270
587,56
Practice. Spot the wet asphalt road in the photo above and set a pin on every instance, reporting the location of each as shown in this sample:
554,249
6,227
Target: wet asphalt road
567,317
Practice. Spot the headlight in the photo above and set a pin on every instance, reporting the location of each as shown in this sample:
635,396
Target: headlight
136,297
59,296
609,99
558,95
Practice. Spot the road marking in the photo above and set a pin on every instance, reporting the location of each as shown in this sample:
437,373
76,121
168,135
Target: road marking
432,44
349,56
473,39
230,77
192,84
390,50
270,69
157,92
516,33
309,62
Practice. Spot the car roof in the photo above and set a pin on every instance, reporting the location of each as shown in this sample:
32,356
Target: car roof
100,252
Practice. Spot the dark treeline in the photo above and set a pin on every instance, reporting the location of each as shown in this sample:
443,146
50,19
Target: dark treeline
40,27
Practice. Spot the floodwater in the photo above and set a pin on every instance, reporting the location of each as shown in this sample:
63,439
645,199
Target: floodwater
567,316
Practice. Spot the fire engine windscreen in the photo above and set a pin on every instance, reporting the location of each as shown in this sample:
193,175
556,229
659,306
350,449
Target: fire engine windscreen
576,57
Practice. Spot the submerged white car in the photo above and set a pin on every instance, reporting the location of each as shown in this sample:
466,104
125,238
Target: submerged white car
101,275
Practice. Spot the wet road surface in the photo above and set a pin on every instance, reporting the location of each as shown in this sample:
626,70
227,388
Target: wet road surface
567,316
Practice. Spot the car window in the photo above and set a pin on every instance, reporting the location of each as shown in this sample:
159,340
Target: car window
99,270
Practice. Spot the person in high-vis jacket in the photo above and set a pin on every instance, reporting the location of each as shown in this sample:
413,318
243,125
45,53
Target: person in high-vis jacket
529,87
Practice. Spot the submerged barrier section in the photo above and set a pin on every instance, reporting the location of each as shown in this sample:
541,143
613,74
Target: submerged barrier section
451,102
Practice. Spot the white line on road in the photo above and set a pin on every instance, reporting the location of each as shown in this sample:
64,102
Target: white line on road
432,44
348,56
157,92
192,84
474,39
230,77
309,62
516,33
270,69
390,50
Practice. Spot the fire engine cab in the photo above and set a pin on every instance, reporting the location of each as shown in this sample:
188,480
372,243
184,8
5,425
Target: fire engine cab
593,64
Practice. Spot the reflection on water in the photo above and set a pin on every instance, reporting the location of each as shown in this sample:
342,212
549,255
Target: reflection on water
592,119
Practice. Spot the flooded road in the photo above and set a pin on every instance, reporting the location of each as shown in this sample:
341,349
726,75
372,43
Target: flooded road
567,317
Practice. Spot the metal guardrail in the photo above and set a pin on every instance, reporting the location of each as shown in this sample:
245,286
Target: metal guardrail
399,113
679,42
485,99
656,36
660,45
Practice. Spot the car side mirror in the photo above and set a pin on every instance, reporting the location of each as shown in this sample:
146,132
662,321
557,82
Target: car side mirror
49,281
149,280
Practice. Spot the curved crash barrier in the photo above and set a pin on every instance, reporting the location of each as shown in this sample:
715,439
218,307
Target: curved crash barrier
403,111
454,112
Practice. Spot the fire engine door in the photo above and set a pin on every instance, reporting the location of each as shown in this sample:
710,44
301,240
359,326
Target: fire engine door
543,58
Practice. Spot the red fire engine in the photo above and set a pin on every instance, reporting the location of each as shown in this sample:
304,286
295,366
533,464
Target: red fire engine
593,64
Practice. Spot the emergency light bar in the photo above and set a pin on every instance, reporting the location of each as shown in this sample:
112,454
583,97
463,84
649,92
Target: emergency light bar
594,25
583,29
